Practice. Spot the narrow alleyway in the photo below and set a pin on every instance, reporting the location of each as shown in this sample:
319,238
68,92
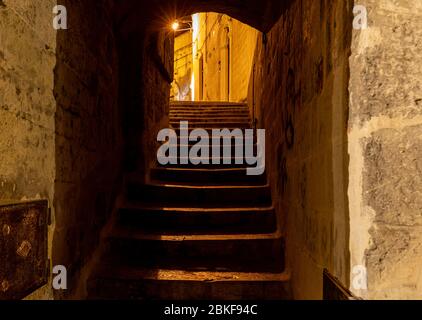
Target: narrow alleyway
87,86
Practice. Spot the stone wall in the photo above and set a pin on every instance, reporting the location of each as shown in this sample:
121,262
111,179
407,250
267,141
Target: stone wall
88,140
157,76
385,146
112,96
27,104
299,94
227,48
145,80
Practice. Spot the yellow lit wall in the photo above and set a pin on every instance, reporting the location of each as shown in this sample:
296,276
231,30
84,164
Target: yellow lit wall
223,51
181,86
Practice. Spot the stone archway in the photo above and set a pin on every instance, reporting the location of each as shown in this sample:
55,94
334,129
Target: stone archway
134,15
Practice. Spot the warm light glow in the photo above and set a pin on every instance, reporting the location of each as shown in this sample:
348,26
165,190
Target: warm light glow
195,27
195,41
175,26
192,86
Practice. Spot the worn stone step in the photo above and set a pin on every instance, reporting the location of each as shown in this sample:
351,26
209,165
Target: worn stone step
216,118
210,165
200,196
209,117
213,125
123,282
230,252
182,162
205,103
209,130
208,114
231,159
210,107
230,176
207,106
224,152
219,140
223,122
193,103
156,219
232,147
196,231
183,140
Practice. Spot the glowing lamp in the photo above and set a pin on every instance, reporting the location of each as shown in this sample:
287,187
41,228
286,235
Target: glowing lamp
175,26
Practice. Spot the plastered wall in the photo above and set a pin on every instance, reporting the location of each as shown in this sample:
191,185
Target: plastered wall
299,94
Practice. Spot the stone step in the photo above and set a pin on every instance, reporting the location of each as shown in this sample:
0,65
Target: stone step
200,196
123,282
228,252
233,141
213,125
216,118
203,106
209,113
231,159
196,231
208,107
206,103
156,219
187,163
232,147
230,176
204,114
217,140
219,126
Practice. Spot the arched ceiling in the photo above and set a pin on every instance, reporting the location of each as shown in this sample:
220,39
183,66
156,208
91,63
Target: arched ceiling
133,15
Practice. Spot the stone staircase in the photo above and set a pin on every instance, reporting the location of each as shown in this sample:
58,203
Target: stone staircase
195,232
